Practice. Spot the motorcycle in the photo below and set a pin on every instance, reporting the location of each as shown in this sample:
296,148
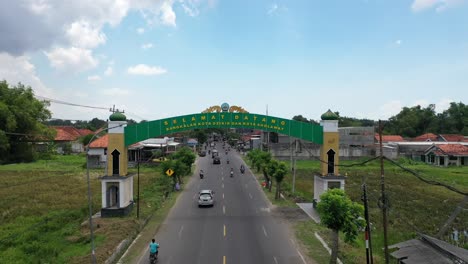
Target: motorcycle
242,170
227,161
232,173
153,258
201,175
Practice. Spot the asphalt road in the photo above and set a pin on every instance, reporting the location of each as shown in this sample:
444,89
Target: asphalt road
238,229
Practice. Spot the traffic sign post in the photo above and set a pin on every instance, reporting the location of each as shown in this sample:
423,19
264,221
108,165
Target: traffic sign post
169,172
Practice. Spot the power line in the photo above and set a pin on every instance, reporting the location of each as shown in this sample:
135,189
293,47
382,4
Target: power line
431,182
70,104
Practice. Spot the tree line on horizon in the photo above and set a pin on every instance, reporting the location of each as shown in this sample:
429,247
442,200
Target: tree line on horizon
413,121
25,119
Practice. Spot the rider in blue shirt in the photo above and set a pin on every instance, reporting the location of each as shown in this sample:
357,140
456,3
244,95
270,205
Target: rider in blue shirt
153,247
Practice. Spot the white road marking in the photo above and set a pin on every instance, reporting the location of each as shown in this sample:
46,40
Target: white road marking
264,231
170,260
276,261
250,196
180,231
222,185
223,195
324,244
301,257
224,209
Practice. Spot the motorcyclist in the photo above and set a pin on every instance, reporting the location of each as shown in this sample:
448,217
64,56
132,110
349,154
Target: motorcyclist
232,172
153,250
242,169
201,174
227,161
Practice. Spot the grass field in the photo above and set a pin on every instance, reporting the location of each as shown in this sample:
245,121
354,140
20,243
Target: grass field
45,203
415,205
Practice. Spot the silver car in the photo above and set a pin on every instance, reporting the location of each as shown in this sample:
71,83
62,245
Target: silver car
205,198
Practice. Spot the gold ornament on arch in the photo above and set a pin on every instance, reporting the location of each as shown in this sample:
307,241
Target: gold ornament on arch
217,109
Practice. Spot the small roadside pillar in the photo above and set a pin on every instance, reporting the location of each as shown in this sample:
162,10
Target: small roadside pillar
329,177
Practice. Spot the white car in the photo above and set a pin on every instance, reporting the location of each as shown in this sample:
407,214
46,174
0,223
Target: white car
205,198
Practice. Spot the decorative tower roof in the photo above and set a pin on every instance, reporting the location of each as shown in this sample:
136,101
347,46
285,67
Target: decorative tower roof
329,115
117,116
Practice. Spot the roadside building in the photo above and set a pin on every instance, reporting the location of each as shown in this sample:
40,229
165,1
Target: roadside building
70,137
97,153
447,154
427,249
143,150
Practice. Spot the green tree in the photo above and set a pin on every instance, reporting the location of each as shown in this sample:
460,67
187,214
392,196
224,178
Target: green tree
200,135
179,168
339,213
87,139
260,160
21,122
277,170
412,121
456,117
300,118
186,156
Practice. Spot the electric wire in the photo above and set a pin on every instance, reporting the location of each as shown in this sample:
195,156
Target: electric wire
70,104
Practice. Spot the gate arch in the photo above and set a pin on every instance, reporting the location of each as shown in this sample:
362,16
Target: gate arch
306,131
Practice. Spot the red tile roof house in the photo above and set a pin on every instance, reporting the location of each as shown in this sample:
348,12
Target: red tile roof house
97,154
388,138
426,137
72,135
447,154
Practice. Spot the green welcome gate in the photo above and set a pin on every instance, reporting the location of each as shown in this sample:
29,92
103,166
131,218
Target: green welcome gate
306,131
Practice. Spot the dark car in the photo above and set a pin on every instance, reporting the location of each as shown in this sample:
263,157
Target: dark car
216,160
202,153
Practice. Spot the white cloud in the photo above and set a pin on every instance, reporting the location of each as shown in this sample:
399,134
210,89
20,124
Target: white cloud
398,42
20,69
421,102
84,35
115,92
147,46
168,17
439,5
142,69
109,71
140,30
272,9
443,104
72,59
190,7
39,7
94,78
390,109
46,24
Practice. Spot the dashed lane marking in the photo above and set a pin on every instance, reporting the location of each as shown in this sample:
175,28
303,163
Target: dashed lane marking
180,231
264,231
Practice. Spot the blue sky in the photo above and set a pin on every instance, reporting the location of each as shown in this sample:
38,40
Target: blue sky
156,59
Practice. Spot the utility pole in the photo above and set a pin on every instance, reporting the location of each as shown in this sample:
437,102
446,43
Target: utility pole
294,172
383,198
369,258
138,187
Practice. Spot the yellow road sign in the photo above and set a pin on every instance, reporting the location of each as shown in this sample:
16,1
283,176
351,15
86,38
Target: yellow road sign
169,172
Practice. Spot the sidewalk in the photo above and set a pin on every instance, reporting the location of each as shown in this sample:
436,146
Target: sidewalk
310,211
